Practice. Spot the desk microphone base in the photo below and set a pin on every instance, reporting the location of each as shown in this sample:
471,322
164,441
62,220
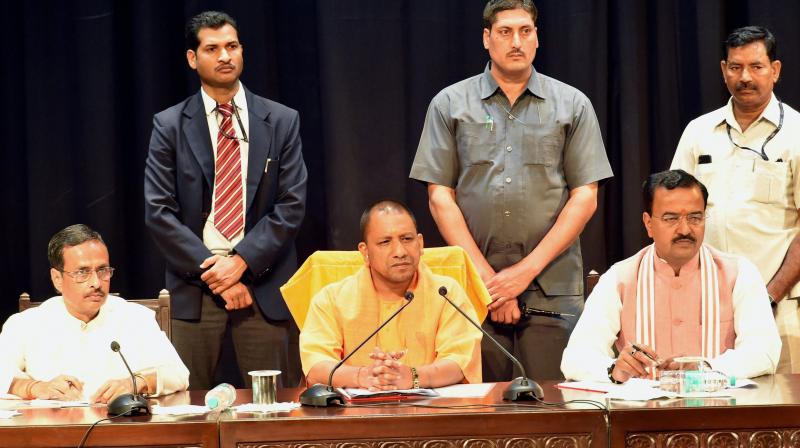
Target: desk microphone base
523,388
321,395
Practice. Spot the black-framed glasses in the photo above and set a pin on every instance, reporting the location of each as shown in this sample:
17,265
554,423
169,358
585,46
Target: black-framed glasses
762,153
238,120
83,275
693,219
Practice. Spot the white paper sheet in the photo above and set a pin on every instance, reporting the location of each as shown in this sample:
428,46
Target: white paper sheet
274,407
186,409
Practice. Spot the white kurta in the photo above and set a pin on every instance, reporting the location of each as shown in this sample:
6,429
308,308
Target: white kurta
751,345
46,341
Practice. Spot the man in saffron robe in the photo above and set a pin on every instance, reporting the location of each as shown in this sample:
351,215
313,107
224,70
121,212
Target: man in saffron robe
429,344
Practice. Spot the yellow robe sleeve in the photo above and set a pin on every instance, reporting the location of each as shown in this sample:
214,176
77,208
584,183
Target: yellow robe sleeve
321,338
457,340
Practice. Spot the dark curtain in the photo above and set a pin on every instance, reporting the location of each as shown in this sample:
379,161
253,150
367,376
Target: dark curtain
81,80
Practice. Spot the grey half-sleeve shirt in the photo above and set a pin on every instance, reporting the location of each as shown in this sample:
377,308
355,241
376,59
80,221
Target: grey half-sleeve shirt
513,168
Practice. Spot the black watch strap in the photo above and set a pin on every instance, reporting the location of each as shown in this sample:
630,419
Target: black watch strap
610,371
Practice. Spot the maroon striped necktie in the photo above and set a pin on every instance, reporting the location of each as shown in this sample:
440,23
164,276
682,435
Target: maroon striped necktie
228,207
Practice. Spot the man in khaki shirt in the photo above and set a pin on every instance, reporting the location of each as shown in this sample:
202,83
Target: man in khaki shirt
748,155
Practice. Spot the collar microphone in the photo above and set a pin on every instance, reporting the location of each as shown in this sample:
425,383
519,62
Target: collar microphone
127,404
520,388
324,395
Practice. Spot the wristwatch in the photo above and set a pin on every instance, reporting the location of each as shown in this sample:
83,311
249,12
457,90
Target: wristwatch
414,378
610,371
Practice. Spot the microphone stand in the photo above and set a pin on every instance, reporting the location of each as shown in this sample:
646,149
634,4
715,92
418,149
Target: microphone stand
521,388
127,404
324,395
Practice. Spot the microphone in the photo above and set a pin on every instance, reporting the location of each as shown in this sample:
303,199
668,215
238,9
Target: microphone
324,395
127,404
522,388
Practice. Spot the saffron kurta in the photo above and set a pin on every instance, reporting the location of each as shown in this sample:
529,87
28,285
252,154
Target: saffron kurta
344,313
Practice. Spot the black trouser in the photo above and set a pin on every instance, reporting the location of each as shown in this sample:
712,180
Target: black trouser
260,343
538,342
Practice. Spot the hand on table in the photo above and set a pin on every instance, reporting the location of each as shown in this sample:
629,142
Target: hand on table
635,363
62,387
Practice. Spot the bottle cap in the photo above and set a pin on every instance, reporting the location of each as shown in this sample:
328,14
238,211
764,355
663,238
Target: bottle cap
212,403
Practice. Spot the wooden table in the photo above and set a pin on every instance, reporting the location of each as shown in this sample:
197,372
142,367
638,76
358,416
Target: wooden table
767,416
52,427
493,424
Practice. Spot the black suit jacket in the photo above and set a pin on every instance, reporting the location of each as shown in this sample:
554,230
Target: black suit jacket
178,186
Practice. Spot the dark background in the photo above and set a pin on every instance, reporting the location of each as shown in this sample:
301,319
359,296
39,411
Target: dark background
81,80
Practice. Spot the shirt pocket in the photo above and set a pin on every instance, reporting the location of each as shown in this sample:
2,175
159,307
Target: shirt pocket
543,144
771,182
476,143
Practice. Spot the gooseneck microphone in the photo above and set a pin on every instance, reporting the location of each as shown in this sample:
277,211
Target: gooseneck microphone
127,404
522,388
324,395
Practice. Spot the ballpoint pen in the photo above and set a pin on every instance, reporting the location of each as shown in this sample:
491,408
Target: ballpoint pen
636,348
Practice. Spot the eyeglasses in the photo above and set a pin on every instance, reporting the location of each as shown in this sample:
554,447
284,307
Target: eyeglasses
763,154
238,120
83,275
672,219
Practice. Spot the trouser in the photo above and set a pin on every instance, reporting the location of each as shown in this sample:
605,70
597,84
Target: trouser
787,318
538,342
260,343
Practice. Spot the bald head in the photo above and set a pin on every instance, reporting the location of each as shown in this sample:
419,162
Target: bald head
385,206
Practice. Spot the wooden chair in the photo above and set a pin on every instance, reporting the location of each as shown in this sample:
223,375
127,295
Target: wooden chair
591,281
162,307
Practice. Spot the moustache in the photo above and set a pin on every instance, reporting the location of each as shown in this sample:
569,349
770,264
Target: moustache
684,237
516,53
226,66
744,86
94,291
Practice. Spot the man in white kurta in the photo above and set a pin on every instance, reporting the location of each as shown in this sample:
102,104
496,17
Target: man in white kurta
748,155
700,301
61,349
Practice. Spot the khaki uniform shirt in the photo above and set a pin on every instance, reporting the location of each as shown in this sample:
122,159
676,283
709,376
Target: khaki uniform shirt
752,203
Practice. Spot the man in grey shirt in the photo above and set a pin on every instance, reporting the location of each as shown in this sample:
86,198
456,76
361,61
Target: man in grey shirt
512,159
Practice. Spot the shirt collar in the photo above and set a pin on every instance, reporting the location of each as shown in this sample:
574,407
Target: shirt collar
209,104
489,86
771,113
72,321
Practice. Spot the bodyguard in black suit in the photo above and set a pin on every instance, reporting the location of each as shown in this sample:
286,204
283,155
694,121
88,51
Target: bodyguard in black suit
225,191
